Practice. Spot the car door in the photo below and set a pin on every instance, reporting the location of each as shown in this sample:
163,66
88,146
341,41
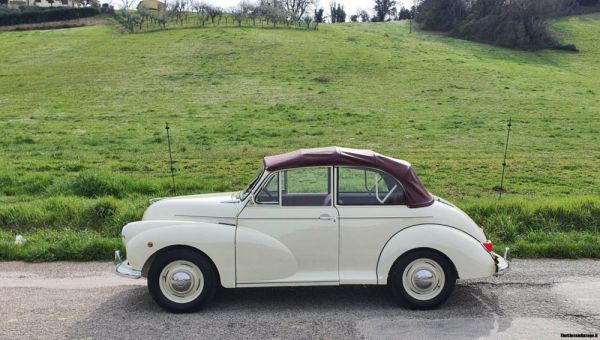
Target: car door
372,209
288,233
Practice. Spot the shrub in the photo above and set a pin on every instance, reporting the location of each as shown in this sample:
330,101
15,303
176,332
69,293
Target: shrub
440,15
518,24
31,15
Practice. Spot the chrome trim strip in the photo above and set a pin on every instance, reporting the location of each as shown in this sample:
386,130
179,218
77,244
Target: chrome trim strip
201,216
379,217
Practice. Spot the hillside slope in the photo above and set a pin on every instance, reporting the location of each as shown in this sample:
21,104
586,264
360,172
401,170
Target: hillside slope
83,112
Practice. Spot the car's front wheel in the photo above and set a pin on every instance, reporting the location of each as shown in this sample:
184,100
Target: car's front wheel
182,280
422,279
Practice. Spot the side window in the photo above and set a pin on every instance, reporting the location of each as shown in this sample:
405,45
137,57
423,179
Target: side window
306,187
270,192
361,186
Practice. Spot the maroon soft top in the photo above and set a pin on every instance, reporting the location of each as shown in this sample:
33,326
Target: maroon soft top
416,195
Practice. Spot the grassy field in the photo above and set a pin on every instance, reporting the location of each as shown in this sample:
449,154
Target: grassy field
84,147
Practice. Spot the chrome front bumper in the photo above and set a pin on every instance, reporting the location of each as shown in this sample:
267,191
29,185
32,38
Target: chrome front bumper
502,264
123,268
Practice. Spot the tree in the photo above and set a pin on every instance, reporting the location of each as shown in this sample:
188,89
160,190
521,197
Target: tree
319,15
354,18
404,14
337,12
364,15
238,15
213,13
297,8
441,15
127,4
307,21
201,12
383,8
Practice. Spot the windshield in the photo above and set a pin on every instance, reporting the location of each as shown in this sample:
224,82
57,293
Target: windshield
244,193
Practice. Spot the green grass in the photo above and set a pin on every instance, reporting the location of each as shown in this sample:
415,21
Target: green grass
83,111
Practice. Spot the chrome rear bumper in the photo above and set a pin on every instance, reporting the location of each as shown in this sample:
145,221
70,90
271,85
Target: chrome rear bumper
502,264
124,268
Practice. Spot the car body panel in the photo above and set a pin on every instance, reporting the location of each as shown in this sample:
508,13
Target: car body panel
287,244
218,207
468,255
213,239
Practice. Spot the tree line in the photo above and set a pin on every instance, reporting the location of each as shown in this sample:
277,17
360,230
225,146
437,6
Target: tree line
289,13
274,13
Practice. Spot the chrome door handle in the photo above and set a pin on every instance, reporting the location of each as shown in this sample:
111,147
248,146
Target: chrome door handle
328,218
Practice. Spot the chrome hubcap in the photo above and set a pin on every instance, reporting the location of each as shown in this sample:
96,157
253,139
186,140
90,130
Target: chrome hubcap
423,279
181,281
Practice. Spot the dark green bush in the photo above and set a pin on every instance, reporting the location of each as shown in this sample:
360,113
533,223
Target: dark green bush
31,15
440,15
518,24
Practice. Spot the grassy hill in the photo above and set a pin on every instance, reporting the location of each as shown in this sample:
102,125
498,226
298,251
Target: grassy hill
84,146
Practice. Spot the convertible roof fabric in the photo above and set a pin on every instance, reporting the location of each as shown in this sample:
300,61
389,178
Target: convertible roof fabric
415,193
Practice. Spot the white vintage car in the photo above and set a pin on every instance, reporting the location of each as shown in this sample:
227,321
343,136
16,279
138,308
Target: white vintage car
312,217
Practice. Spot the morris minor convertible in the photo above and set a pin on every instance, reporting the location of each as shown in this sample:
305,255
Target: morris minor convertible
312,217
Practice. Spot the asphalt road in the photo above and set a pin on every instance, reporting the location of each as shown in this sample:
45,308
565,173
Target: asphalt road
536,299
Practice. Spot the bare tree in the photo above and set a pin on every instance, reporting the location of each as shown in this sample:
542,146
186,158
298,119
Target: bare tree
177,11
237,13
214,13
127,4
307,21
201,13
297,8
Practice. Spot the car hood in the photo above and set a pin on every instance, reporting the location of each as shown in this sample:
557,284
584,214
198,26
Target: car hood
221,207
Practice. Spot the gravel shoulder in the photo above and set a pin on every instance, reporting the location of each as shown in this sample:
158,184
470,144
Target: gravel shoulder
536,298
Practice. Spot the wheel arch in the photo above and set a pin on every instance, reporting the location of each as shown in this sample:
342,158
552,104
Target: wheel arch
408,252
467,255
150,260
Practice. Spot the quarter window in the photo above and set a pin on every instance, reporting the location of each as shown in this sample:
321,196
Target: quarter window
270,192
362,186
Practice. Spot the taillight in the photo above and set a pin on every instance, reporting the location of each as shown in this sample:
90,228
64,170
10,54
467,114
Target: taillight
488,245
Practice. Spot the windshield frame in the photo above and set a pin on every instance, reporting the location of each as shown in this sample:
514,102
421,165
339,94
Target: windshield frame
246,192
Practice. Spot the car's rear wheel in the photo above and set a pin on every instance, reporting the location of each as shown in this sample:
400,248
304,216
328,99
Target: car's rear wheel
422,279
182,280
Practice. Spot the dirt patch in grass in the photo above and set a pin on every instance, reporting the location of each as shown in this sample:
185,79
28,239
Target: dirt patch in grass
58,24
322,79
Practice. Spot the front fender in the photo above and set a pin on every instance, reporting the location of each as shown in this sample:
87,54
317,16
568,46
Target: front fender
217,241
467,254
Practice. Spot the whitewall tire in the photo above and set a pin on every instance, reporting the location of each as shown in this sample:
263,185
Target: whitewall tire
422,279
182,280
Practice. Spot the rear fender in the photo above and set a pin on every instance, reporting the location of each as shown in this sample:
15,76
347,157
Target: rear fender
467,254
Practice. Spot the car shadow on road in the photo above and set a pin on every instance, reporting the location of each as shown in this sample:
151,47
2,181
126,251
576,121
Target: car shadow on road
272,312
